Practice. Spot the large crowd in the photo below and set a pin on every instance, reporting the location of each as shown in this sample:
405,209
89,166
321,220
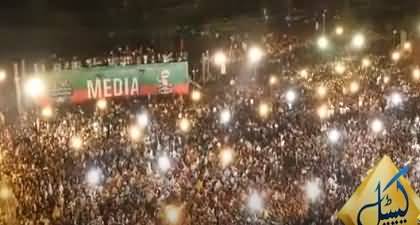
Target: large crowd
258,152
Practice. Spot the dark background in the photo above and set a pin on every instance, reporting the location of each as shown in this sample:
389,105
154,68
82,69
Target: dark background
34,28
134,13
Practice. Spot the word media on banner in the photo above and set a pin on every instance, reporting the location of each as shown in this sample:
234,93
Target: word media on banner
106,82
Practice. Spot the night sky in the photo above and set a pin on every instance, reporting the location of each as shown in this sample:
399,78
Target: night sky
41,27
121,13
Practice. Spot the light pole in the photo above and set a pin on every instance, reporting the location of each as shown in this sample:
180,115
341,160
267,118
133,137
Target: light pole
18,86
324,20
395,38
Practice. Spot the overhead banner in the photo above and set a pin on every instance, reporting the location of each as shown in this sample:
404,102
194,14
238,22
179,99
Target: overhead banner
119,81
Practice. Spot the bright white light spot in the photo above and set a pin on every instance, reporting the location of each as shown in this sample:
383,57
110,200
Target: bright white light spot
225,116
396,56
255,202
101,104
94,177
354,87
264,109
358,41
322,91
164,163
387,79
334,136
407,46
5,192
76,142
323,112
172,214
291,96
47,112
196,95
303,73
220,58
396,99
377,126
255,54
323,42
226,157
366,62
273,80
345,91
339,30
184,125
34,87
416,74
339,68
143,120
135,133
313,190
2,75
95,126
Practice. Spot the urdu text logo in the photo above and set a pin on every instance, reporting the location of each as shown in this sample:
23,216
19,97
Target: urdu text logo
384,197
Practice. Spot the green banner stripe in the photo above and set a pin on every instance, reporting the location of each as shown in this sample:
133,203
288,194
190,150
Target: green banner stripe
146,74
104,82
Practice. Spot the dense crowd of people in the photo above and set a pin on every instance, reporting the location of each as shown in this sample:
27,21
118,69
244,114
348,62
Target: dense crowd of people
238,152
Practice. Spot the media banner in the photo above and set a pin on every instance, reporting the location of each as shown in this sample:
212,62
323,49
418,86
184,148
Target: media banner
123,81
